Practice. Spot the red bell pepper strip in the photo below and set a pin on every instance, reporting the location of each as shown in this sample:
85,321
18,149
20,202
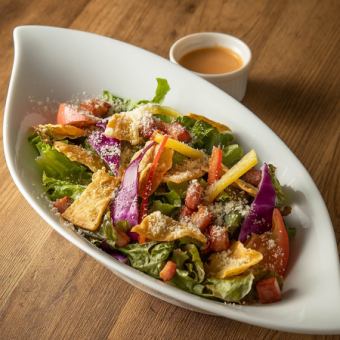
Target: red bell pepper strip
215,165
148,186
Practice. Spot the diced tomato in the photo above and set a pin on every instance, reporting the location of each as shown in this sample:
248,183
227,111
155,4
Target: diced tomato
268,290
185,212
215,165
97,107
218,237
122,238
148,186
253,176
202,217
168,272
179,132
274,245
71,114
62,203
194,195
174,130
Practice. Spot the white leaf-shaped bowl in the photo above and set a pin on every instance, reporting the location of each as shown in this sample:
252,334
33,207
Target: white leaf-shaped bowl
53,65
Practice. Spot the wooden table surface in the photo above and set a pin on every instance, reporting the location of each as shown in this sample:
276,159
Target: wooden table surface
49,288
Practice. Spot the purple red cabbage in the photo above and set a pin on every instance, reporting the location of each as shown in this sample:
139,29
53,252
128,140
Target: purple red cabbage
108,148
259,218
125,205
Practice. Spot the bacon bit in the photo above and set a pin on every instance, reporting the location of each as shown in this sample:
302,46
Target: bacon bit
202,218
169,271
194,195
97,107
62,203
253,176
185,212
268,290
219,239
174,130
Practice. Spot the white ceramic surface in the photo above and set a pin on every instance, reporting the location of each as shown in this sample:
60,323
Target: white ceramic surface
53,64
234,83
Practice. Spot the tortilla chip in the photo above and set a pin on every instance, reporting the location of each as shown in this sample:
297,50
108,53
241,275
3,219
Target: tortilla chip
187,170
87,211
78,154
233,261
58,131
159,227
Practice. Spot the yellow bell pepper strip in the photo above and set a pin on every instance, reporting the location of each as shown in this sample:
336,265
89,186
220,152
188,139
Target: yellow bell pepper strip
239,169
180,147
163,110
148,186
220,127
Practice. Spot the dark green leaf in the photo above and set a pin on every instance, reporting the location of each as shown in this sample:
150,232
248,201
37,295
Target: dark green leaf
232,154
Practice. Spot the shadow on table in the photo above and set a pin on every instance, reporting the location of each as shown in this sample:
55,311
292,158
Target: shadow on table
296,101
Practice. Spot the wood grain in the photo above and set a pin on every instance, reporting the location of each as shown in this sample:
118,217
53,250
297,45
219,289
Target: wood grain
49,289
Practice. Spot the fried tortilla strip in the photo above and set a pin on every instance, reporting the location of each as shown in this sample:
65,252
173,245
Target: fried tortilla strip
159,227
58,131
233,261
78,154
127,125
87,211
187,170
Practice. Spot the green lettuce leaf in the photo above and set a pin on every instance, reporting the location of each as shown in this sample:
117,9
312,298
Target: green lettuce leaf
232,154
149,257
118,104
161,91
232,289
281,198
168,202
183,281
56,165
56,188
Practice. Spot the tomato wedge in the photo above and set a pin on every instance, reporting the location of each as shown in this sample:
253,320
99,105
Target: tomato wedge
147,189
215,165
268,290
274,245
72,115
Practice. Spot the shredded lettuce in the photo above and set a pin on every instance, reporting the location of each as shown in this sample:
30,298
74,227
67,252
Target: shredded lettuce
56,188
232,289
149,257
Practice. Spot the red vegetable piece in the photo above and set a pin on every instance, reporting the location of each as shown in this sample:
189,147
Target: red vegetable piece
168,272
147,190
215,165
185,212
194,195
62,204
218,237
268,290
97,107
72,115
202,218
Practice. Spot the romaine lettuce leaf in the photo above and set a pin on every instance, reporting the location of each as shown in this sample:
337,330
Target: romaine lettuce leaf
281,198
56,165
161,91
184,281
230,290
149,257
232,154
56,188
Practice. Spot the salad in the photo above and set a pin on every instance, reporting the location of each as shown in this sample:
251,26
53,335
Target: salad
172,195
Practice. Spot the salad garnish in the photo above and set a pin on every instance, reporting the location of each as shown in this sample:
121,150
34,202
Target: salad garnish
173,196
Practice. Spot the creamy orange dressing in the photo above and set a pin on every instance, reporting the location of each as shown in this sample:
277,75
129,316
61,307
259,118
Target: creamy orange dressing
211,60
